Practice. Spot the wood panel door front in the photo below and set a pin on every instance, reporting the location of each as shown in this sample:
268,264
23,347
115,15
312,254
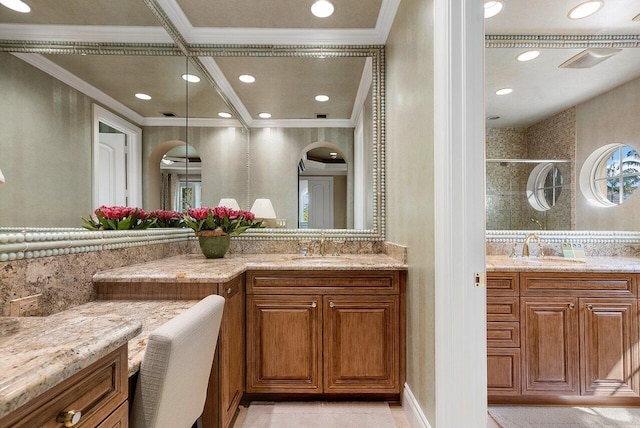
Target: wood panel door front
608,348
361,344
284,344
550,345
503,371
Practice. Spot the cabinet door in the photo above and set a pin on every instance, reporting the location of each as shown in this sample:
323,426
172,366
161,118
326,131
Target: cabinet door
361,344
284,344
118,419
549,345
608,348
503,371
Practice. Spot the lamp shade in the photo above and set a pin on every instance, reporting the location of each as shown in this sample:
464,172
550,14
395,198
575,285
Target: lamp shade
262,208
1,177
229,203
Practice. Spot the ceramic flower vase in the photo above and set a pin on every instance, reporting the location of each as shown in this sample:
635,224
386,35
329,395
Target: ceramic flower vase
213,243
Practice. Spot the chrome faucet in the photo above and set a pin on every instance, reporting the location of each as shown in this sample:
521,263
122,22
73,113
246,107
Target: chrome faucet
525,246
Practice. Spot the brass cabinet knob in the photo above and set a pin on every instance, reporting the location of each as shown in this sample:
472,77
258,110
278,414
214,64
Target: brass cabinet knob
572,305
590,307
228,291
332,305
314,304
69,418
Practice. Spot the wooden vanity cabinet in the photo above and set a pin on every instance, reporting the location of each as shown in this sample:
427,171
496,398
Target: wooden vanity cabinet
99,392
578,341
325,332
226,383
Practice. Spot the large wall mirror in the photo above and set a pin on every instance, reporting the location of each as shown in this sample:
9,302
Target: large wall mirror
558,89
212,136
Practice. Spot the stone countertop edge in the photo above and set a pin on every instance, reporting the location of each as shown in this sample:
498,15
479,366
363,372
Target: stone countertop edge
196,268
561,264
38,353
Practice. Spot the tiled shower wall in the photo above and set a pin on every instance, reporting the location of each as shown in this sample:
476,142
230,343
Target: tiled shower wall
507,205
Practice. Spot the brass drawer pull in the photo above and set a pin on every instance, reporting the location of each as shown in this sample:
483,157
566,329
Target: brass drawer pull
572,305
228,291
332,305
590,307
69,418
314,304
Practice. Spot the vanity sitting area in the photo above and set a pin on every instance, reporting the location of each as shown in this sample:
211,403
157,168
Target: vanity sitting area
93,349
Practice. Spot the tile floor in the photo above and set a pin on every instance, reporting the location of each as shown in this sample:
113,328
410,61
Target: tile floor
397,413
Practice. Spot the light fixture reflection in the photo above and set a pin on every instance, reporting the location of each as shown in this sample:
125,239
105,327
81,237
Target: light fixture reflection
17,5
528,56
265,115
246,78
142,96
225,114
585,9
322,98
504,91
492,8
322,8
191,78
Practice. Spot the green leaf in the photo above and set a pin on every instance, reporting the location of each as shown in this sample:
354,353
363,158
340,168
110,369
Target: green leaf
125,223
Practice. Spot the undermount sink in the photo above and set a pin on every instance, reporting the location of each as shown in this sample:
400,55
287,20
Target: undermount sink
547,259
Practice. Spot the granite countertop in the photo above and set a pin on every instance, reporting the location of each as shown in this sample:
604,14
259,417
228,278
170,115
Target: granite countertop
150,313
196,268
561,264
40,352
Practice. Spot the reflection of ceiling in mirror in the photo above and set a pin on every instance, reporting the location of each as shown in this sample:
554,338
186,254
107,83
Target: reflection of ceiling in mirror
286,87
278,14
82,12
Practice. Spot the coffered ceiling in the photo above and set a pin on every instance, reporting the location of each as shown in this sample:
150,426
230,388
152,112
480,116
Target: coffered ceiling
285,87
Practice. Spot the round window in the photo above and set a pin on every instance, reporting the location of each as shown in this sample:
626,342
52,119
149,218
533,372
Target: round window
610,175
544,186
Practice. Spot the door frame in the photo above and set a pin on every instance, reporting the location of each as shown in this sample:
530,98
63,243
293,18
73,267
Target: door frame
460,320
134,154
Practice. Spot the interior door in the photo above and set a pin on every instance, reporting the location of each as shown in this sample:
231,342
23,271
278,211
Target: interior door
112,170
320,202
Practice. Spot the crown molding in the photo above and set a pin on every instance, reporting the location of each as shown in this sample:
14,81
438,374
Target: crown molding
218,76
193,122
388,10
363,89
84,33
302,123
178,18
77,83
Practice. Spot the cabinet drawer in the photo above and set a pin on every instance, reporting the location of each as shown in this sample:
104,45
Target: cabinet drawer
503,284
503,309
503,371
95,391
503,334
578,284
323,282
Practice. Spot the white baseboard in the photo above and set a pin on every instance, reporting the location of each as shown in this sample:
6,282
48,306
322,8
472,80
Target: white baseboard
412,410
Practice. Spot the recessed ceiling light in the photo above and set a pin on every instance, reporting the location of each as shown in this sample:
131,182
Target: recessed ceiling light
585,9
322,98
17,5
191,78
265,115
504,91
322,8
143,96
247,78
492,8
224,114
528,56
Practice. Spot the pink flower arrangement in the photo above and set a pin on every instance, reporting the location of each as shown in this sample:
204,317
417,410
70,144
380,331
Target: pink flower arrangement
119,218
166,218
223,219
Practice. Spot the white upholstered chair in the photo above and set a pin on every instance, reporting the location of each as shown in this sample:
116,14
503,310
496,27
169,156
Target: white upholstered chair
173,378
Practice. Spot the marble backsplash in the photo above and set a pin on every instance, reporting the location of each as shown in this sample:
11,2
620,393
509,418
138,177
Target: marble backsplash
64,281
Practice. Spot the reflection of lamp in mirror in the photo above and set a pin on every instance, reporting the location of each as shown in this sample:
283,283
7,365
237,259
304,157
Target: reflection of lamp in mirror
229,203
263,210
1,177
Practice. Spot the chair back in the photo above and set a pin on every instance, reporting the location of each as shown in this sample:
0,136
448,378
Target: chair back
174,374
